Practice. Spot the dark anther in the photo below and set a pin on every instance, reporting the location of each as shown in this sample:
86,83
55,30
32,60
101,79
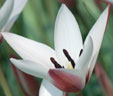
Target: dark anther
80,52
57,65
69,57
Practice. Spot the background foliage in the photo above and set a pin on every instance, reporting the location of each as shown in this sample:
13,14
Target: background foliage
37,22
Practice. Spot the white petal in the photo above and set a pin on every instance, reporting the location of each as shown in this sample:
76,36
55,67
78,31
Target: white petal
85,58
29,49
31,68
47,89
97,33
18,6
67,35
5,12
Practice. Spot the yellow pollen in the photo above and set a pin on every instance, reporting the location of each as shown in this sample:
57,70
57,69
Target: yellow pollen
69,65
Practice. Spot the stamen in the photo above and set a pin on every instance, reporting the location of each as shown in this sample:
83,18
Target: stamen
69,57
56,64
80,52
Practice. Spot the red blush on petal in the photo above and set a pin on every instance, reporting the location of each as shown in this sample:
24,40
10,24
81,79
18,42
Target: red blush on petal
1,38
66,81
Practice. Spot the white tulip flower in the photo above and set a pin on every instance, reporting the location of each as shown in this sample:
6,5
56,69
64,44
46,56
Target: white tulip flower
68,66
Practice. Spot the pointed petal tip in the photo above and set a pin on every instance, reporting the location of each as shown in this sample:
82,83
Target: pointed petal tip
98,29
96,34
106,12
108,8
14,61
66,31
29,48
63,7
30,67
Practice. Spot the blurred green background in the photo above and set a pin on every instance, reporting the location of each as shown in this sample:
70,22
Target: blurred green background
37,23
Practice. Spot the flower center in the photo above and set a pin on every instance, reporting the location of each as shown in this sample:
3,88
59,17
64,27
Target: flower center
69,57
69,66
71,63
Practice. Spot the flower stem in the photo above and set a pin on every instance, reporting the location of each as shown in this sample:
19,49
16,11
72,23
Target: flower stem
4,84
78,94
65,94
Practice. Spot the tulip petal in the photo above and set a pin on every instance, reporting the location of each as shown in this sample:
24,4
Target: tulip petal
18,6
29,49
67,80
84,59
67,35
28,83
5,12
97,33
31,68
47,89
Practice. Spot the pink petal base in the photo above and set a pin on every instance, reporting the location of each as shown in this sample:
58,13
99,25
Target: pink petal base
66,81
